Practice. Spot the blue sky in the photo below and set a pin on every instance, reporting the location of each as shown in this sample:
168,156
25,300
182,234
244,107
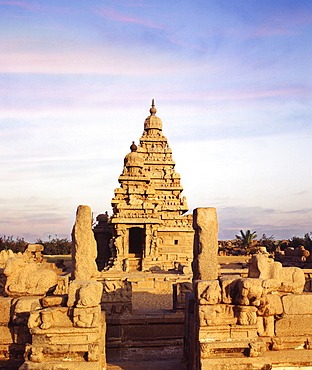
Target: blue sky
231,81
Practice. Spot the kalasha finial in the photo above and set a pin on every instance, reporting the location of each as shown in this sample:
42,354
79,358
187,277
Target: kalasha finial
153,110
133,147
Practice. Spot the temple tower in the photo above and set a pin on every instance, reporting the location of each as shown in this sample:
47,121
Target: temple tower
149,229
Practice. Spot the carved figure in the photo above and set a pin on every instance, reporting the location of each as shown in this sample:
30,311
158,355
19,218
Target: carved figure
275,276
36,354
90,295
86,317
216,315
26,278
50,317
212,294
250,292
247,315
255,348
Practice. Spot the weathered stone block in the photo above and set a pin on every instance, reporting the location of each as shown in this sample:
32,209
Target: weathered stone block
145,284
297,304
228,284
53,300
5,307
6,335
220,332
243,331
294,325
274,305
21,308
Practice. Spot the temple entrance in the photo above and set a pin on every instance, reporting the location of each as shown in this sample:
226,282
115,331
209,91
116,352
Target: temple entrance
136,241
136,238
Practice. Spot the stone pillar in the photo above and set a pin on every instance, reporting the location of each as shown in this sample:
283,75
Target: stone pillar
205,263
84,248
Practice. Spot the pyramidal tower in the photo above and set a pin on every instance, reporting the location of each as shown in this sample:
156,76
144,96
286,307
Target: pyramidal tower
149,230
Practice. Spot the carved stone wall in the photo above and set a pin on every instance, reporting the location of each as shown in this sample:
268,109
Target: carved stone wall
240,323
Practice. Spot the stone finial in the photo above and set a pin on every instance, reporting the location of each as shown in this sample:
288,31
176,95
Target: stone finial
153,110
133,147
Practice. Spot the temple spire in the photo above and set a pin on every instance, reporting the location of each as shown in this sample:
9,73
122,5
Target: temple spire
153,110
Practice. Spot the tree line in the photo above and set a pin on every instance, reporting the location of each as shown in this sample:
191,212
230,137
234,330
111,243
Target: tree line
54,245
247,242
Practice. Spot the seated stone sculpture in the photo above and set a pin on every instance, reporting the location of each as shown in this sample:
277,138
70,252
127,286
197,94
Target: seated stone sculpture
25,277
275,276
88,311
265,277
211,294
250,292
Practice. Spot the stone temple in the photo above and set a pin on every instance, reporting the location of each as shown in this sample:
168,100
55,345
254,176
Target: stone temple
127,299
148,228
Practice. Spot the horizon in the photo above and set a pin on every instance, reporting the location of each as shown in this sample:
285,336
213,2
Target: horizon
232,83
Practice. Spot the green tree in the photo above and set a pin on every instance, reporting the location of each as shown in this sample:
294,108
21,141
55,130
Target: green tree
246,240
16,245
55,245
268,242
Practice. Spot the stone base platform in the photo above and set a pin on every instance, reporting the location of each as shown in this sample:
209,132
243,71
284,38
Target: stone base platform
143,335
282,360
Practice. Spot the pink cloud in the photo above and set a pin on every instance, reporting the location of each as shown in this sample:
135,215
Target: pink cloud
34,7
132,4
114,16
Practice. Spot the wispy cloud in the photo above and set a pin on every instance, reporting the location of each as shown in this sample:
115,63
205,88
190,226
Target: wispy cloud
35,6
132,3
111,14
176,41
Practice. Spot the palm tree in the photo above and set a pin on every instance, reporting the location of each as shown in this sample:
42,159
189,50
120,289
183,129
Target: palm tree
246,239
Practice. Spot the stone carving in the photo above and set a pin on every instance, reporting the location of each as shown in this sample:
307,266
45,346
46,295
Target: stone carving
256,348
275,276
216,315
36,354
84,248
4,256
228,287
250,291
25,277
84,293
205,350
86,317
209,292
247,315
21,308
50,317
265,325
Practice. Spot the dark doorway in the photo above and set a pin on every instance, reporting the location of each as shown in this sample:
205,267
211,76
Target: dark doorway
136,237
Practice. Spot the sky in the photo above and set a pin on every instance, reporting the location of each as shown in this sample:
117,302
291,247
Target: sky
232,82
